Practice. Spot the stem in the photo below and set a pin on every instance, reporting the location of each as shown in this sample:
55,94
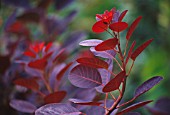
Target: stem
40,93
118,99
126,47
114,106
130,68
120,52
109,33
112,96
126,103
118,63
111,72
46,83
105,102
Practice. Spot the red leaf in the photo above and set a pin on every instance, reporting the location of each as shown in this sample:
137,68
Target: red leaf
115,82
93,62
140,49
118,26
61,73
38,64
133,27
60,56
83,102
107,44
37,47
28,83
48,46
122,15
55,97
133,107
130,52
99,27
47,55
18,28
29,53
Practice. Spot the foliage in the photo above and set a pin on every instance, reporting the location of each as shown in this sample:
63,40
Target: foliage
93,80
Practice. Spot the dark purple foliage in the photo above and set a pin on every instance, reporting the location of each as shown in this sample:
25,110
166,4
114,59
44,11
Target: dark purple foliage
73,39
85,94
161,107
10,20
95,110
110,54
57,109
23,106
60,4
147,85
5,63
18,3
105,75
85,77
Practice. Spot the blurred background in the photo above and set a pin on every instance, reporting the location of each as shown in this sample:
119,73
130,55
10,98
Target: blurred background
67,21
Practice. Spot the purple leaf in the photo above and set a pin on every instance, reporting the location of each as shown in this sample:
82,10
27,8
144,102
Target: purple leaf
133,107
84,102
57,109
73,39
91,42
110,54
70,17
95,110
10,20
147,85
85,77
85,94
18,3
60,4
53,25
163,104
105,75
161,107
23,106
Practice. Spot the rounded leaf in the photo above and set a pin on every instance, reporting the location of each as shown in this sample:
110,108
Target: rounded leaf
23,106
28,83
93,62
109,44
118,26
91,42
110,54
85,77
99,27
57,109
55,97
